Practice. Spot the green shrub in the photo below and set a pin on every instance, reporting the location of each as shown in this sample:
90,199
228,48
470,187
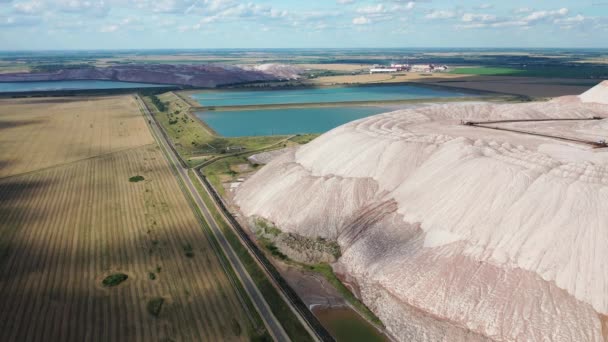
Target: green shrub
114,279
158,103
188,251
136,179
155,305
236,327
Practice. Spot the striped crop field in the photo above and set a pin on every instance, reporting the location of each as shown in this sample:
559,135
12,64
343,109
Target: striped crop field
75,219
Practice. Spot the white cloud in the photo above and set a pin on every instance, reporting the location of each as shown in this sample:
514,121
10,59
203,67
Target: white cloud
381,12
372,9
345,2
572,22
83,6
362,20
540,15
473,21
576,19
522,10
473,17
440,14
14,21
485,6
242,11
7,21
30,7
109,28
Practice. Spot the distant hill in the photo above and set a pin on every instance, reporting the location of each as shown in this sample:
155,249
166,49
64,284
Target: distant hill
184,75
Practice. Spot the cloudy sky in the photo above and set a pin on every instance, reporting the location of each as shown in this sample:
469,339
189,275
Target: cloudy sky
123,24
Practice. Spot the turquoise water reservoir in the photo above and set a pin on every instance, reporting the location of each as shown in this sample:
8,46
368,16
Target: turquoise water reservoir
11,87
320,95
283,121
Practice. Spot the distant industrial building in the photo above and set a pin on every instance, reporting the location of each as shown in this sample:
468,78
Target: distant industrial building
401,67
428,68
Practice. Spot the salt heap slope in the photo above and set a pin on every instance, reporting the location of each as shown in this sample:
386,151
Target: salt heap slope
457,233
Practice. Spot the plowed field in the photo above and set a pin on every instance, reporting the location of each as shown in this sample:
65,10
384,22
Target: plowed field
69,217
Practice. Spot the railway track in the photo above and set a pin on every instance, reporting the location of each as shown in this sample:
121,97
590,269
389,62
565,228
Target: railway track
297,305
291,296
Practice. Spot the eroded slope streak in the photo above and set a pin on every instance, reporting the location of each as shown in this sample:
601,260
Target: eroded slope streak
451,232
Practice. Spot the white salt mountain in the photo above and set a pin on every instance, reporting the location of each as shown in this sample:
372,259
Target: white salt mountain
452,232
597,94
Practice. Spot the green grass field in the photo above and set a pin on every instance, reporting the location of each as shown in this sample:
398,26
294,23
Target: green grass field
222,171
304,138
487,71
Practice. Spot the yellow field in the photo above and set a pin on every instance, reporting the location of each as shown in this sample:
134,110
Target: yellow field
516,85
69,217
39,133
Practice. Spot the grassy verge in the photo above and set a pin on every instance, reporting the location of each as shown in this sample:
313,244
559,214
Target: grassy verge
256,329
192,137
226,170
281,310
303,139
230,168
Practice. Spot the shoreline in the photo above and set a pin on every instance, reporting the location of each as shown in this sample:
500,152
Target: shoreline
381,103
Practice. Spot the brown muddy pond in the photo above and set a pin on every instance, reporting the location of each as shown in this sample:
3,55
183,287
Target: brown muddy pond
346,325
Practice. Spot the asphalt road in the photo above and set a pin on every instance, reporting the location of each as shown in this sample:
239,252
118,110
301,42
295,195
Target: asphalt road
270,321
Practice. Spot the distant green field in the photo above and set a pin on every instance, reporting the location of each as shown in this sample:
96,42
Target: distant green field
489,71
566,71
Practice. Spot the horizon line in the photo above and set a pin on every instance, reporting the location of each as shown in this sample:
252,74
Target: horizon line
299,48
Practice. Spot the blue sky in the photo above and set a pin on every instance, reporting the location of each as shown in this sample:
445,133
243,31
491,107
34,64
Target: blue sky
136,24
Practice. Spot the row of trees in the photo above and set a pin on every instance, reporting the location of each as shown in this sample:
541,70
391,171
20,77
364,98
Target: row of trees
158,103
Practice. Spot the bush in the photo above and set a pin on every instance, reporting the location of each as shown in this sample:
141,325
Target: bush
188,251
236,327
136,179
155,305
114,279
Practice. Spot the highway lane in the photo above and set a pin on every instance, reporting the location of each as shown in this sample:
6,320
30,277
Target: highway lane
270,321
